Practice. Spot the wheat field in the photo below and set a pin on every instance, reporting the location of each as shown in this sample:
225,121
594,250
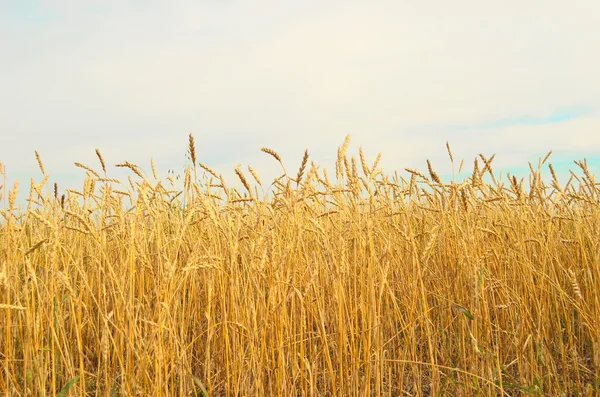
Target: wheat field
353,284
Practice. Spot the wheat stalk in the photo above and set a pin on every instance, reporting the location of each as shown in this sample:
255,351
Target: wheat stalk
295,288
302,167
575,284
449,152
102,163
275,155
272,153
363,163
132,167
12,195
154,174
192,149
341,158
476,177
209,170
85,167
254,175
243,179
433,174
39,161
417,173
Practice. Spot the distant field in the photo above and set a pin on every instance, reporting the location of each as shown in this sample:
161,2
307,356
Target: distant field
349,284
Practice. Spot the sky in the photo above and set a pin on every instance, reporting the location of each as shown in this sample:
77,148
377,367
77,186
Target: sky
134,78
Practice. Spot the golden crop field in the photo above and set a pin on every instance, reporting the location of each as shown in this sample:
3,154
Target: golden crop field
353,284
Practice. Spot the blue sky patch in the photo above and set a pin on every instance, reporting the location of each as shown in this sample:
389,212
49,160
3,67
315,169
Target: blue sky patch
559,115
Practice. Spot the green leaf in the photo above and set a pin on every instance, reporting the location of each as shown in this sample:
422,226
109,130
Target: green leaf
200,385
113,390
464,311
65,389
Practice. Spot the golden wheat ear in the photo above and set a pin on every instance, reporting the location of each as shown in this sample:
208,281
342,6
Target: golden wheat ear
272,153
102,163
275,155
39,160
302,167
192,149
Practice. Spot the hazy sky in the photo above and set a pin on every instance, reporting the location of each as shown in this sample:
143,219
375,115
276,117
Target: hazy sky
134,78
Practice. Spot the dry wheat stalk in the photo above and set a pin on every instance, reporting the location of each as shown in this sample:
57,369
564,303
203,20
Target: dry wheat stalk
434,175
76,229
102,163
341,157
39,160
363,163
327,181
272,153
488,167
376,163
114,180
302,167
132,167
555,179
36,214
154,174
241,248
347,170
254,175
36,246
32,188
429,246
449,152
413,183
417,173
188,178
345,145
209,170
12,195
476,177
85,167
276,156
192,149
243,179
575,284
73,191
223,186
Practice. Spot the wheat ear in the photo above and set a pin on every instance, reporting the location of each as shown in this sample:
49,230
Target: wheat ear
302,167
102,163
39,160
